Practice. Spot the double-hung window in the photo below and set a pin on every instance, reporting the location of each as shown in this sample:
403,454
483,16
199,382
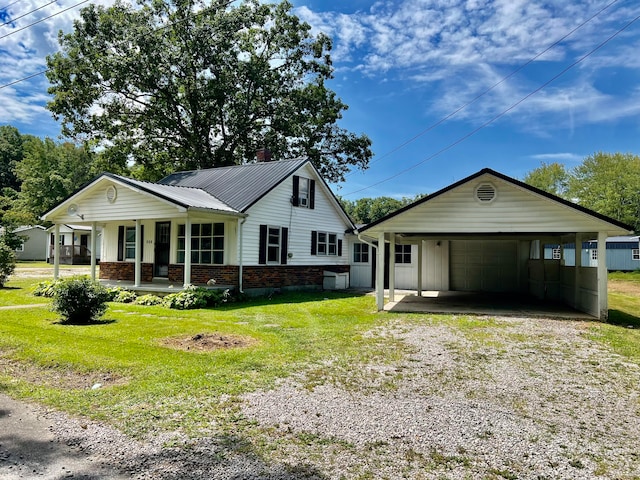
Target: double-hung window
129,243
303,194
360,253
273,245
207,243
325,243
635,254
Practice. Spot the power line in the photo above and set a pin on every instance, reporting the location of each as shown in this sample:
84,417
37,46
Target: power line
484,92
28,13
12,3
501,114
43,19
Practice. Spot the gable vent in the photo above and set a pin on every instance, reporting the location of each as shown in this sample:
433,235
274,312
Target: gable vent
485,192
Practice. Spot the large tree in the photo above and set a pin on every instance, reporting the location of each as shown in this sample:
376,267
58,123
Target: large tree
10,154
608,183
187,84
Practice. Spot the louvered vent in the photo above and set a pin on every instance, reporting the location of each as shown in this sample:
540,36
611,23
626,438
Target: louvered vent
111,193
486,192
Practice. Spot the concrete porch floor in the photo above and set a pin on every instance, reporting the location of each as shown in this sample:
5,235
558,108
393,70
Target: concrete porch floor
474,303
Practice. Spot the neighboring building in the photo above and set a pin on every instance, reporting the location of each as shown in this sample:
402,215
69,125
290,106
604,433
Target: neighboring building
75,244
34,243
623,253
254,227
486,233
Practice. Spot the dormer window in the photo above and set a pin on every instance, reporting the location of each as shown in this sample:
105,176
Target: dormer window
303,192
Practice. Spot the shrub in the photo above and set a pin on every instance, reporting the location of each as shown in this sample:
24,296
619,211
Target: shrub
196,297
46,288
7,262
121,295
80,300
148,300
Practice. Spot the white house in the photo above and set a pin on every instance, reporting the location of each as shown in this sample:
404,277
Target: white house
74,242
485,233
253,227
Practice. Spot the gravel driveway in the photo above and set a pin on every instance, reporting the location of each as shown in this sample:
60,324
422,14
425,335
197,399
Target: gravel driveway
517,399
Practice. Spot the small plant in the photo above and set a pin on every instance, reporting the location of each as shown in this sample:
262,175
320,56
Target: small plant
79,300
196,297
148,300
121,295
46,288
7,262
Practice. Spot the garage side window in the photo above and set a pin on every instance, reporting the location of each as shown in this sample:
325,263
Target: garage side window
635,254
403,253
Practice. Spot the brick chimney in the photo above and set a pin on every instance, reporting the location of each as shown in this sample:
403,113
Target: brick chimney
263,155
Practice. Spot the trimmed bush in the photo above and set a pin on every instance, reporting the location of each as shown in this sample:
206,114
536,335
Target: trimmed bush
7,262
148,300
80,300
196,297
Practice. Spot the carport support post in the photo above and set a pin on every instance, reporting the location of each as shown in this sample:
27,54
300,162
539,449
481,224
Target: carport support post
380,273
602,276
578,269
392,268
93,251
420,247
56,251
138,266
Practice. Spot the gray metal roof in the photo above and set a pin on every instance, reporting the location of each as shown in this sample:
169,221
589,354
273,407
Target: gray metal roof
239,186
179,195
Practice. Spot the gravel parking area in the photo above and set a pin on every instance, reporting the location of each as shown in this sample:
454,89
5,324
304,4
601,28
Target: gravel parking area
517,399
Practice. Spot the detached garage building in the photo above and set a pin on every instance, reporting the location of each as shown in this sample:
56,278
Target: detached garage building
486,233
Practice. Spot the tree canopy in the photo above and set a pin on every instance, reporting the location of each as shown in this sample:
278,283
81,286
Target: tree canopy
608,183
367,210
188,84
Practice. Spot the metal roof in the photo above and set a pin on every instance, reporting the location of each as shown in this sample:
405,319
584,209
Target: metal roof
239,186
180,195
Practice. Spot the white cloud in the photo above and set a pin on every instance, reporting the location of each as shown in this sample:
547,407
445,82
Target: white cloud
558,157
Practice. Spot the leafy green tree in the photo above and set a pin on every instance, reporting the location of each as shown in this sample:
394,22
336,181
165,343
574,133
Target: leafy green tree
7,259
189,84
49,173
609,183
550,177
10,154
367,210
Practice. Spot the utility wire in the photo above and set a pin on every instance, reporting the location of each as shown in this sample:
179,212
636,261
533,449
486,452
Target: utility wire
28,13
501,114
12,3
484,92
43,19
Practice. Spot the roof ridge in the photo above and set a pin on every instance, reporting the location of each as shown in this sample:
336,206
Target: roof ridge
243,165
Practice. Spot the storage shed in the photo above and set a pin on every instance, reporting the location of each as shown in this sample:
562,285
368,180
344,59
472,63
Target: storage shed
487,233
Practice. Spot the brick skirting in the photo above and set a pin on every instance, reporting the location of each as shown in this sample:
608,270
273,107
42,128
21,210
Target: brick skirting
260,276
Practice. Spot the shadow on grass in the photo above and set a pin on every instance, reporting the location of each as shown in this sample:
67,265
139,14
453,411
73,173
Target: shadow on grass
623,319
85,323
280,298
10,288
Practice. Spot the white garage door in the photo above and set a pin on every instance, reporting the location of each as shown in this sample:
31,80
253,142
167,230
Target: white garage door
484,265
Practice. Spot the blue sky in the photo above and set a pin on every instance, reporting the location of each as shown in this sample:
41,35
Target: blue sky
404,65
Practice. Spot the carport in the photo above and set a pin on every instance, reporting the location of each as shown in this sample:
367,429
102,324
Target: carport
486,234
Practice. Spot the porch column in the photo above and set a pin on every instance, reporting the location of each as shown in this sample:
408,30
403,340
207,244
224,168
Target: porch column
187,252
392,267
56,251
93,251
420,247
138,264
603,305
380,273
577,271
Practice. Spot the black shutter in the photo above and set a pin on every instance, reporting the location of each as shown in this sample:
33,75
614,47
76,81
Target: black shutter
120,243
295,197
314,242
262,255
339,248
312,194
284,245
141,242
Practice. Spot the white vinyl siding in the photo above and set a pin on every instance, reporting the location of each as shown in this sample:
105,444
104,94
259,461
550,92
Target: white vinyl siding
275,208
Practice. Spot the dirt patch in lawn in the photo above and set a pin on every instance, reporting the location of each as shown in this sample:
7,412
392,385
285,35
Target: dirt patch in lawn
626,288
59,376
206,342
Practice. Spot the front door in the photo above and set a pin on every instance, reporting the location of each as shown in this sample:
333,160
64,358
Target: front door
161,261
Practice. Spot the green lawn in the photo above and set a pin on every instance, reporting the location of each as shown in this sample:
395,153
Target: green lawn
148,385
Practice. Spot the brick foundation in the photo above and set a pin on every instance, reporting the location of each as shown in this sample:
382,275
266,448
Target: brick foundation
255,276
125,271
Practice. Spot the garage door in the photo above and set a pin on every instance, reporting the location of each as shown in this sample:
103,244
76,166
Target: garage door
484,265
